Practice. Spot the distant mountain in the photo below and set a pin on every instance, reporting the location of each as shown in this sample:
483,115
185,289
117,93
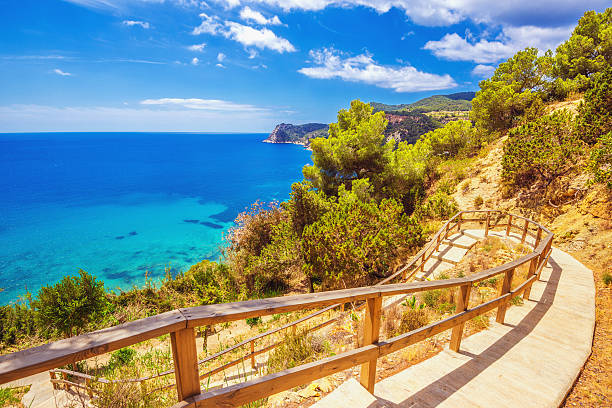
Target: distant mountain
407,122
297,134
454,102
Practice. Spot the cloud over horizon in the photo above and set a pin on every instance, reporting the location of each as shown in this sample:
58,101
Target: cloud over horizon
329,64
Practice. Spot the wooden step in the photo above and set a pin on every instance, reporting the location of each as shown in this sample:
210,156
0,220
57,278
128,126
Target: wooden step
460,241
349,394
450,254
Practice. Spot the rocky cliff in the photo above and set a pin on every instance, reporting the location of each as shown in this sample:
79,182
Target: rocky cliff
297,134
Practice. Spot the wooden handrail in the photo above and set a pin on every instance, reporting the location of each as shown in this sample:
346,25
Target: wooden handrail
180,323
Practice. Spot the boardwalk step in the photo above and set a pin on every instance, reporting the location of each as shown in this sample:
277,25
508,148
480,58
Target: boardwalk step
460,241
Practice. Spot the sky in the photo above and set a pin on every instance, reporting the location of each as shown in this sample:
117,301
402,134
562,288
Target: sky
247,65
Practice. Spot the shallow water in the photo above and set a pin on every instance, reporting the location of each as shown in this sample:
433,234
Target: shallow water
120,205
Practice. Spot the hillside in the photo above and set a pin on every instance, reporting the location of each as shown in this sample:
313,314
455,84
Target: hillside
409,126
435,103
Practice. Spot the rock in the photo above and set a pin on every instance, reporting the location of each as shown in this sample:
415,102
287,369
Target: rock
297,134
310,391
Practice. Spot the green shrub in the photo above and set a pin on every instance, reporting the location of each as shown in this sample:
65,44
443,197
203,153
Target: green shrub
600,161
540,152
213,282
71,304
438,206
121,357
7,397
478,201
595,113
607,278
357,242
253,321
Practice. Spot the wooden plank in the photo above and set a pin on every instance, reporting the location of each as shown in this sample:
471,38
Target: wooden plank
463,298
185,355
239,394
487,224
58,353
505,289
227,312
371,333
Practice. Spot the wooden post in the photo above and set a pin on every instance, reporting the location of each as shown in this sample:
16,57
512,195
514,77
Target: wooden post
253,363
538,238
185,357
525,232
371,331
532,270
52,375
509,225
487,226
65,385
501,310
459,222
423,262
463,298
543,257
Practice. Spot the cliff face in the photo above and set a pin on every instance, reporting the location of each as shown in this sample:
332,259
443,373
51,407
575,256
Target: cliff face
297,134
408,127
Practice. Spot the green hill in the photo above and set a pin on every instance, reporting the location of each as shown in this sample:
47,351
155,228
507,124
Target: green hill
453,102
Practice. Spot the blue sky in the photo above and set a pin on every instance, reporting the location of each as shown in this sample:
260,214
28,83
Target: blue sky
246,65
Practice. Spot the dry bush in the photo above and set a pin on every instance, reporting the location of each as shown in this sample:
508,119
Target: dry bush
296,348
392,320
412,319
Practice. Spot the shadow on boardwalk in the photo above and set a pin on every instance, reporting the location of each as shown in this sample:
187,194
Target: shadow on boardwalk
438,391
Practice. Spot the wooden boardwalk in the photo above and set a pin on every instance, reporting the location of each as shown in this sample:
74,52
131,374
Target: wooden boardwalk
532,360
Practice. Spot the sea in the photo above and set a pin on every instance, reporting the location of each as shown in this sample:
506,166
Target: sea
125,206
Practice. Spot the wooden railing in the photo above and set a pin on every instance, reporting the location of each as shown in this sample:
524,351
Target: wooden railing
180,324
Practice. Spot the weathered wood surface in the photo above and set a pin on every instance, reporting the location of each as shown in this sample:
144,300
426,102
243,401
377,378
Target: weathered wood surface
38,359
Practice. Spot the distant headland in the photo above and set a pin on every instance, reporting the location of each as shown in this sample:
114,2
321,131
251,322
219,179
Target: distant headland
407,122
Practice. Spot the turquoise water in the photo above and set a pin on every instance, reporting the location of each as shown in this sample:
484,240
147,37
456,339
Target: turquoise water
120,205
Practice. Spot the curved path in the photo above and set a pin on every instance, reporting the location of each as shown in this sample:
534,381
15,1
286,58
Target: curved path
532,360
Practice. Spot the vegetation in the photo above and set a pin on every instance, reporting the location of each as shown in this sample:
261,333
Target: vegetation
454,102
70,305
540,152
365,204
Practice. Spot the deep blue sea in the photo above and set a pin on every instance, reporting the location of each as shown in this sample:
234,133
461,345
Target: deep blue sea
120,205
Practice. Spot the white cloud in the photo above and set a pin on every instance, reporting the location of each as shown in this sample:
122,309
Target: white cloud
250,15
195,61
456,48
62,73
197,47
142,24
219,65
483,71
245,35
209,25
263,38
203,104
331,64
448,12
220,57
